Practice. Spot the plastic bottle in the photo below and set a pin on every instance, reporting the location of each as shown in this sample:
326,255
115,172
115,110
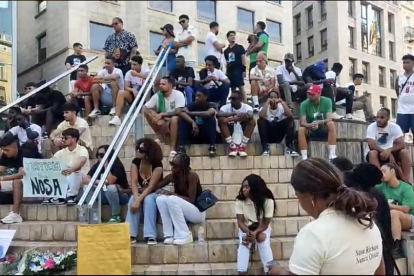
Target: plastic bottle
201,235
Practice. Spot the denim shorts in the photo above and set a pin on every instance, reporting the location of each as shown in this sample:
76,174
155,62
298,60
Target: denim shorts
405,121
106,96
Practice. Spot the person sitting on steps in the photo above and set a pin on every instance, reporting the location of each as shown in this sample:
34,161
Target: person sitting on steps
81,94
184,77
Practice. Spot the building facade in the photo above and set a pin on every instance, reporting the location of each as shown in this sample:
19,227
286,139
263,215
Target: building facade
364,36
50,28
407,10
7,74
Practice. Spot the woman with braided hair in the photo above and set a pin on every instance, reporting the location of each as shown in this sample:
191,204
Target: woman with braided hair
177,208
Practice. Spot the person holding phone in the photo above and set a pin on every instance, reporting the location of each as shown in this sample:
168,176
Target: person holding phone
255,207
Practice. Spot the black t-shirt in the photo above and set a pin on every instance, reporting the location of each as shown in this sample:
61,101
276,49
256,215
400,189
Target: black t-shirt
197,108
12,164
137,162
117,170
182,76
74,60
233,57
46,99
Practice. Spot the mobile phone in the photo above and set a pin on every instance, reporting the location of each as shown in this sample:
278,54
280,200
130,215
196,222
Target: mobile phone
272,264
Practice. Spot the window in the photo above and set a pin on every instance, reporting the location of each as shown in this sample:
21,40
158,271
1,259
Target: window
393,75
161,5
2,73
324,40
394,108
407,21
391,50
309,11
41,6
350,9
310,46
390,23
351,68
206,11
364,28
297,24
410,50
323,10
381,75
2,95
41,47
98,33
365,71
383,101
245,20
154,42
274,29
376,41
298,52
351,37
201,52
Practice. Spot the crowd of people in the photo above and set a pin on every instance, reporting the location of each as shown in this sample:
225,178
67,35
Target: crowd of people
213,108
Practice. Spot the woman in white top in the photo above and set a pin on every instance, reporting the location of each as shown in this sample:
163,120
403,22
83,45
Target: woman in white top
255,207
343,238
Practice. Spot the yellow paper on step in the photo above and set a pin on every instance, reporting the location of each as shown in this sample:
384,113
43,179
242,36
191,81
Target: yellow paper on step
104,249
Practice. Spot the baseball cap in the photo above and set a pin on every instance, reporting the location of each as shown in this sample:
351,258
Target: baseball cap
289,56
314,89
168,27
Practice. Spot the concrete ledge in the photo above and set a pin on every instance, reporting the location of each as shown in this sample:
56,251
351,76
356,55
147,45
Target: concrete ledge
408,249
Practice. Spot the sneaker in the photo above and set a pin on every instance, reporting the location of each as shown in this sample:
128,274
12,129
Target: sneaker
71,200
112,112
256,108
291,152
12,217
186,240
266,151
173,153
181,149
242,151
53,201
151,241
168,240
115,121
232,150
349,116
45,135
397,252
336,116
45,201
94,113
114,219
133,240
332,157
212,151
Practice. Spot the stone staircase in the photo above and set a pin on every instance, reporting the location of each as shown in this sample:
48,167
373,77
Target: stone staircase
55,227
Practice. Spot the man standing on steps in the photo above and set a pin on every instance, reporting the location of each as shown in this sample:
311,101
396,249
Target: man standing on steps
316,121
185,43
73,60
405,93
260,46
235,60
213,47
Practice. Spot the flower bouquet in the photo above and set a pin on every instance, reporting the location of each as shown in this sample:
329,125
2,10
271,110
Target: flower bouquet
9,264
37,263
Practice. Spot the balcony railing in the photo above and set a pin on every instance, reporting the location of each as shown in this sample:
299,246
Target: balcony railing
409,34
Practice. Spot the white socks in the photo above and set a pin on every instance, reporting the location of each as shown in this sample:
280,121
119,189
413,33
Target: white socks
245,140
332,150
304,154
255,100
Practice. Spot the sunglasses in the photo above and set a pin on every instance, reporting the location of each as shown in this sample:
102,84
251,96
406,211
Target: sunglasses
100,155
181,21
66,137
141,150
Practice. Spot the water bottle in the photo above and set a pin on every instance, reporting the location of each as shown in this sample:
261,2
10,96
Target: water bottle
201,235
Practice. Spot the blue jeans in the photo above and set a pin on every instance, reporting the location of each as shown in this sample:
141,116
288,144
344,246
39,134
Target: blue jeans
189,94
149,208
219,94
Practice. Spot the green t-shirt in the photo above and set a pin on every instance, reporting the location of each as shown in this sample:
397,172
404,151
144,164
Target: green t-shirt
402,195
316,112
265,39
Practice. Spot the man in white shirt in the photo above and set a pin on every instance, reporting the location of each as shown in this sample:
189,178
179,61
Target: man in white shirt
213,47
275,123
386,144
262,79
134,79
184,41
405,93
236,124
28,134
106,86
162,110
289,78
217,83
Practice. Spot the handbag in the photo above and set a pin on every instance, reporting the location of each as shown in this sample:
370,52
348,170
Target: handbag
205,200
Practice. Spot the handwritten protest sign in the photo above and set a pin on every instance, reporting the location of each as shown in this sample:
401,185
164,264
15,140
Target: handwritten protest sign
43,178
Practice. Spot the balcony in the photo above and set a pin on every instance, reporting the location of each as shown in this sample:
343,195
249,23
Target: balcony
409,34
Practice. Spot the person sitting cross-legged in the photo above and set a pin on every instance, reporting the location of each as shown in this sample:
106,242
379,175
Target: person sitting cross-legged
28,134
134,79
81,94
184,77
276,123
316,121
162,110
197,122
386,144
236,117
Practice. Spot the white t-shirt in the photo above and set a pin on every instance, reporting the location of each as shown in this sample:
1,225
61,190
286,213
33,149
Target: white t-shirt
281,70
406,97
268,74
277,114
22,135
189,52
331,75
336,244
219,75
104,73
136,81
244,109
210,49
175,100
385,137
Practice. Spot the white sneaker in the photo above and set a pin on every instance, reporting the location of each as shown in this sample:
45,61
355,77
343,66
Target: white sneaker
186,240
349,116
112,112
12,217
115,121
256,108
94,113
336,116
168,240
332,157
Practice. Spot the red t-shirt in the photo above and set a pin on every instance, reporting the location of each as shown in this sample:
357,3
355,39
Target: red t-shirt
84,85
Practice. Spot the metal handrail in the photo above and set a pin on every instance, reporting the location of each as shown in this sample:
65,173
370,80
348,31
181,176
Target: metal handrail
128,119
31,93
